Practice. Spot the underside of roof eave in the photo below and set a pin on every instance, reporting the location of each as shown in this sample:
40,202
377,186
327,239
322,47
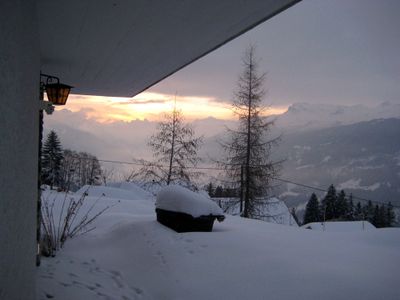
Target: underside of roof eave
122,48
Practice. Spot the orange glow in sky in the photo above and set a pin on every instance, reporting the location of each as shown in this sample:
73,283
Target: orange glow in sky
151,106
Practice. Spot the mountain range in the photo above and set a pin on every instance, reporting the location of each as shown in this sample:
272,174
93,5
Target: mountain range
357,147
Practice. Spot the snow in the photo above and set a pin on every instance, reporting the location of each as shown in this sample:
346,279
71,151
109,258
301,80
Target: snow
340,226
304,167
276,211
289,191
132,187
397,159
288,194
326,158
354,184
120,190
131,256
306,148
178,199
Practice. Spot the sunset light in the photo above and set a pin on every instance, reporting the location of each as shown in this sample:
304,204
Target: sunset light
151,106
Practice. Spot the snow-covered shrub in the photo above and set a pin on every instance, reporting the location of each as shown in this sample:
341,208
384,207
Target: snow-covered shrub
65,217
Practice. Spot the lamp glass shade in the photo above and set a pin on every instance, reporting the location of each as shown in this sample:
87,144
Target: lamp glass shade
57,93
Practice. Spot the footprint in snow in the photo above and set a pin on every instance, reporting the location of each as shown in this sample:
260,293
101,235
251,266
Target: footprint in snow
92,288
117,278
65,284
161,256
137,290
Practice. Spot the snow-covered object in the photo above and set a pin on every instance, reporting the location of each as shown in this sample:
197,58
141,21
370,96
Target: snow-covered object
113,192
179,199
346,226
274,210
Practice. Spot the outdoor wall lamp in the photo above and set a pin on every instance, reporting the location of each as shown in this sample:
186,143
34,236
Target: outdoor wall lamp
57,93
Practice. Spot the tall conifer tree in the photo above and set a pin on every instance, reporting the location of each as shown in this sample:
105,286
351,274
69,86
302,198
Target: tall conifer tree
329,204
248,161
51,160
341,206
312,213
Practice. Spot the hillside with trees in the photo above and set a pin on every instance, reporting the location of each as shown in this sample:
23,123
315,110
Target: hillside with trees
340,207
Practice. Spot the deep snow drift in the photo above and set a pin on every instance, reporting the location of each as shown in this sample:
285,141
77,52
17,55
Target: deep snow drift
131,256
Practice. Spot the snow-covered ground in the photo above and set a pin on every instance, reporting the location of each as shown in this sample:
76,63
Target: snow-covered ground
131,256
340,226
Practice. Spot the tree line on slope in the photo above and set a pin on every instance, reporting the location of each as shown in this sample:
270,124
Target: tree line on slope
67,169
220,191
338,207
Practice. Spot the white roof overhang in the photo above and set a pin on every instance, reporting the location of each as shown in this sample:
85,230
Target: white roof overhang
122,47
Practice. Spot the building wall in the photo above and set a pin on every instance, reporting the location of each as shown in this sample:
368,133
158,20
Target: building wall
19,92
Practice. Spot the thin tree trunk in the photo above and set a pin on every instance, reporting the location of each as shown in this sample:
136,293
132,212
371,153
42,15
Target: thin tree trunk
247,195
172,147
241,189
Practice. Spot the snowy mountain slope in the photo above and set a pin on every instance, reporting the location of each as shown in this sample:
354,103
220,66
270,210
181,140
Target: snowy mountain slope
131,256
359,158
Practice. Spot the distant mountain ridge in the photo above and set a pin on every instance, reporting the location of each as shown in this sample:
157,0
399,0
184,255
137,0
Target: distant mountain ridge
306,116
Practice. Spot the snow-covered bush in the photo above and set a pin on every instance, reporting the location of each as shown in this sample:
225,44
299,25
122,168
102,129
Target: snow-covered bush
67,219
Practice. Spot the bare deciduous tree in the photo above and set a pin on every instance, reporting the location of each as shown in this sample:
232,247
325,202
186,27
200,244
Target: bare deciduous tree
248,150
175,150
107,174
78,169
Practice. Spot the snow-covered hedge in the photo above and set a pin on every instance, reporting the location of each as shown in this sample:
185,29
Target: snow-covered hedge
178,199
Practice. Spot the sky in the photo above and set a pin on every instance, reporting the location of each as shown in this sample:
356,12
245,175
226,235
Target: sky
337,52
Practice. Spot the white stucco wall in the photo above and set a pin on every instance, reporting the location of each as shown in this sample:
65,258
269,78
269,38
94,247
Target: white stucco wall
19,91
